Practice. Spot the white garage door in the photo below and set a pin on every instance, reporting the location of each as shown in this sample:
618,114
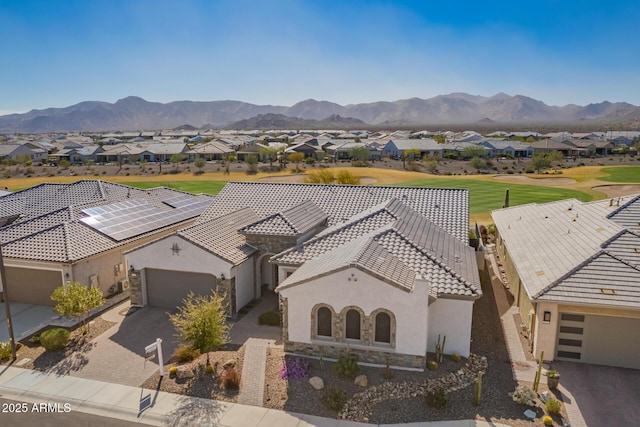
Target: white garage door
600,340
167,288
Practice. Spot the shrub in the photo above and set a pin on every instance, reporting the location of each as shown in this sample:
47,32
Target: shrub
185,353
432,365
553,406
270,318
334,399
347,365
198,172
231,379
436,398
456,357
553,374
54,339
172,371
5,350
346,177
524,395
208,369
295,369
547,420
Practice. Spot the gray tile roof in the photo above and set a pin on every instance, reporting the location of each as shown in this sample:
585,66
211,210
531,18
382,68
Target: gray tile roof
576,252
628,214
292,222
545,241
428,250
602,279
361,253
220,236
48,227
448,208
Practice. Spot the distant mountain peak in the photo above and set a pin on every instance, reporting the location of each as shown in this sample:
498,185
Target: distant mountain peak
135,113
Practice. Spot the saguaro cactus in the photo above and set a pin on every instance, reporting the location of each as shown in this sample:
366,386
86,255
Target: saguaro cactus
478,390
536,382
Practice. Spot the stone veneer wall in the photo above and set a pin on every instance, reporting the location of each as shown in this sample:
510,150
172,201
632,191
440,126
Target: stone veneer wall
378,356
135,283
269,243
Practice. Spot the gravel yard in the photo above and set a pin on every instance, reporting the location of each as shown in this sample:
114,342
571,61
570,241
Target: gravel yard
496,405
203,384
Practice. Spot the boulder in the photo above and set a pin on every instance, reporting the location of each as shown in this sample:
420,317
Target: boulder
316,382
231,363
361,380
184,372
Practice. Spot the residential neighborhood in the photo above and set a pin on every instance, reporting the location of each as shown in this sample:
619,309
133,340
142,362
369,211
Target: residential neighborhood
395,277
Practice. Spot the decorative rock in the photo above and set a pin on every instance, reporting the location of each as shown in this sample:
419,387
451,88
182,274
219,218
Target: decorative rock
544,396
231,363
184,372
361,380
529,414
316,382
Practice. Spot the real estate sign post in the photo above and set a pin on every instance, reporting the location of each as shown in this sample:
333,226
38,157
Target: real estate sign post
151,350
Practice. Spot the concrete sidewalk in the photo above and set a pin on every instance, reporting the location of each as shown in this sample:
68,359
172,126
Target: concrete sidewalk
158,408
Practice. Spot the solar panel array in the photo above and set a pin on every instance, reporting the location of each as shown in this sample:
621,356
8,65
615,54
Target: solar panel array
130,218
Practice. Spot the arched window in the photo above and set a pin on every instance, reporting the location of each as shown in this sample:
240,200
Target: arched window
353,325
383,328
324,322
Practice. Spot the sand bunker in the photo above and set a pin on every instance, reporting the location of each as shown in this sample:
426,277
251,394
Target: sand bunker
535,181
299,178
618,190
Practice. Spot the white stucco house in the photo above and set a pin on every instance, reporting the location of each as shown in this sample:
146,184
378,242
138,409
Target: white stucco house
381,270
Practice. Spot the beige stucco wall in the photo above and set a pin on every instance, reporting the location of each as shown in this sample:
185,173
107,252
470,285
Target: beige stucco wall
546,333
367,293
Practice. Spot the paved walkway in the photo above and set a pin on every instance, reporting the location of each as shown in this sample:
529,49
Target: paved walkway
253,369
524,370
158,408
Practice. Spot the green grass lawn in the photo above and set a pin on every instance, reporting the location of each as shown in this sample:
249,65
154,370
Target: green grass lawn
486,196
621,174
207,187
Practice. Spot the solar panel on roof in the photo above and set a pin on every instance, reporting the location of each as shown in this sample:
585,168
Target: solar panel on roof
132,218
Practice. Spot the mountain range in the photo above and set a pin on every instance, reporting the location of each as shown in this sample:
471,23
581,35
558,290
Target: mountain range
134,113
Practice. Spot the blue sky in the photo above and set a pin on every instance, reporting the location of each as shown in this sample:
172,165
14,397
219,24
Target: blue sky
58,53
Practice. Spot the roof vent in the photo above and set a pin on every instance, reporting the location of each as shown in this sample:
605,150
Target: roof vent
540,273
608,291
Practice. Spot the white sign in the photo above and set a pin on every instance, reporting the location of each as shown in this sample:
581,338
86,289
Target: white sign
151,350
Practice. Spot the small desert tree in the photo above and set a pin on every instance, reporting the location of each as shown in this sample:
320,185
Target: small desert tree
473,151
76,300
175,159
271,153
542,161
359,156
201,322
252,164
200,163
296,158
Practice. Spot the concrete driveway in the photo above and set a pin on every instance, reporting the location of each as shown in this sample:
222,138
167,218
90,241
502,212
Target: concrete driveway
26,319
605,396
117,355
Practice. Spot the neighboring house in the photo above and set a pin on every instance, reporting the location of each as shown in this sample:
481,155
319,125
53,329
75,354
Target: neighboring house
305,148
121,153
344,151
548,145
511,148
574,271
79,155
395,148
212,150
14,152
407,248
162,152
52,234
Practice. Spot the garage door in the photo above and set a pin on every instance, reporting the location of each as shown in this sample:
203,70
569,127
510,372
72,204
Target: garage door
600,340
32,286
167,288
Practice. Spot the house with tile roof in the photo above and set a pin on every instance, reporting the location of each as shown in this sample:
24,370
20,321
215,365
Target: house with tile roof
381,270
574,271
52,234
